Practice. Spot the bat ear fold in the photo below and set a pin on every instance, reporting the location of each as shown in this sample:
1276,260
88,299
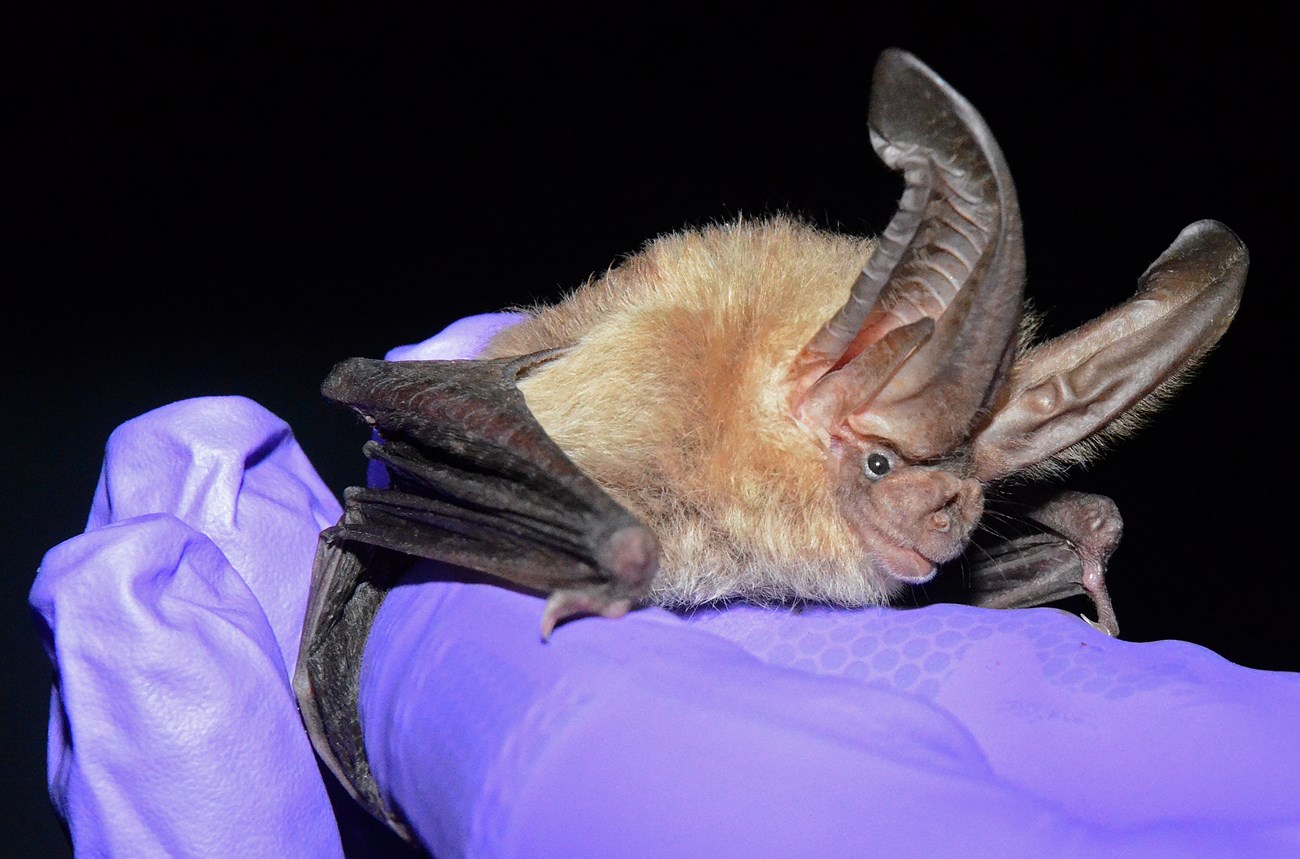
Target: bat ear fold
1087,382
922,343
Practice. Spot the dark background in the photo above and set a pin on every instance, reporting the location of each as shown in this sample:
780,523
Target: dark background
229,203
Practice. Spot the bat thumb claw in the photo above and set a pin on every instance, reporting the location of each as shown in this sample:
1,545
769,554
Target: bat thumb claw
1108,629
563,605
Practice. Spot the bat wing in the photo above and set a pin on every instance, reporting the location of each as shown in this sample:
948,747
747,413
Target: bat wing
1062,552
474,481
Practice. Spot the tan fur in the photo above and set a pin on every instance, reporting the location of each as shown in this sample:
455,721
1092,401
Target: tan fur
672,399
673,396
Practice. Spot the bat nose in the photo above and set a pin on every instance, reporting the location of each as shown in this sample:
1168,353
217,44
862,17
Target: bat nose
947,495
953,500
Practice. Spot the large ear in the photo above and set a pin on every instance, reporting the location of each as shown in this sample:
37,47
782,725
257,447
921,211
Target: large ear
1084,382
924,341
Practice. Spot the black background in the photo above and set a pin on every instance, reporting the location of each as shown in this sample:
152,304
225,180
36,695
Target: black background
228,203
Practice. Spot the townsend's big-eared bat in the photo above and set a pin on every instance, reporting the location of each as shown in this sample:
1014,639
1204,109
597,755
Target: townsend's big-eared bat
766,411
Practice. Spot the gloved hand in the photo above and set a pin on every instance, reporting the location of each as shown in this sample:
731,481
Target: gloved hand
173,624
170,622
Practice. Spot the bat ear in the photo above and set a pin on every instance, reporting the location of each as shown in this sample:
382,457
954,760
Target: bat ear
1090,380
928,326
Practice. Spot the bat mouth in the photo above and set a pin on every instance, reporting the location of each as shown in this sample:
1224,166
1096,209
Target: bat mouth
895,557
906,564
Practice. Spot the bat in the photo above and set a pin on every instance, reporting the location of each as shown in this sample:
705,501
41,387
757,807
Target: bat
767,411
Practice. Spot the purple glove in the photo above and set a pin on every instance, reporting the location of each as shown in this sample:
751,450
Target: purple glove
734,732
170,622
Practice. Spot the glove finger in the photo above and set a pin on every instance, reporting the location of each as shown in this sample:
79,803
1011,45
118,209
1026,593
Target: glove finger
232,471
173,731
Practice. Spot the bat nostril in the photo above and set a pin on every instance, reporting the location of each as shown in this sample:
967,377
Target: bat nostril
940,522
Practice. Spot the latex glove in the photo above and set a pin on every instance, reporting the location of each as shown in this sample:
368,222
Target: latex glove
736,732
173,626
948,731
170,622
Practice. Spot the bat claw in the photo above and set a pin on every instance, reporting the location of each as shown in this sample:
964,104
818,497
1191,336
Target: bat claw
1112,631
1094,584
563,605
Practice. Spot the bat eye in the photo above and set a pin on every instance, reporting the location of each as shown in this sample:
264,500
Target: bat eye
877,465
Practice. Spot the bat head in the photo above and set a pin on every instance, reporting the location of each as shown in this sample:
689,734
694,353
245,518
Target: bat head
917,389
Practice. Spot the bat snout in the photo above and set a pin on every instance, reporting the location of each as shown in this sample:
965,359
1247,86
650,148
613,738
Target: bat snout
913,520
955,507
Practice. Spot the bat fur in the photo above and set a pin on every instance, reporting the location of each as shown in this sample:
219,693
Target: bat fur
673,397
